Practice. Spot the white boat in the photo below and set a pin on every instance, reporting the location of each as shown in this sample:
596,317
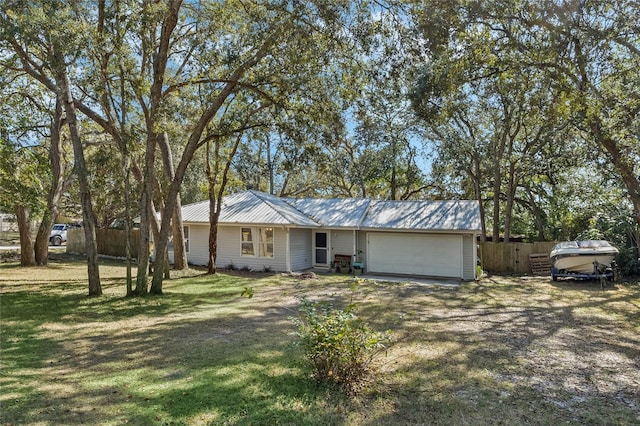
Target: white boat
582,257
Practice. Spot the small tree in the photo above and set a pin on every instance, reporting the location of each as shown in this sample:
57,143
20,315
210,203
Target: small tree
338,344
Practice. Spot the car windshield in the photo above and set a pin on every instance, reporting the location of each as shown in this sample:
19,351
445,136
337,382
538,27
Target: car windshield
58,227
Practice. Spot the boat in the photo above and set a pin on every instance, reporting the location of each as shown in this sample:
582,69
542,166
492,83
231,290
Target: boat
591,257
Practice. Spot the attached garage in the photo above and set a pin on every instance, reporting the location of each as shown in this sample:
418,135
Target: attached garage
415,254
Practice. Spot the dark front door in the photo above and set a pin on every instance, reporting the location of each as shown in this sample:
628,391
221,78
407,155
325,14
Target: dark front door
321,250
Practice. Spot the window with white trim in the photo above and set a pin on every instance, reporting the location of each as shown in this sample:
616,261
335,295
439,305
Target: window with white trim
256,242
247,242
266,242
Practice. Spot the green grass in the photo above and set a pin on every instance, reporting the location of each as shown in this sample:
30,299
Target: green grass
501,351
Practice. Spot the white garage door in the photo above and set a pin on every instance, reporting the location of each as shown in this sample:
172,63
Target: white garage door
415,254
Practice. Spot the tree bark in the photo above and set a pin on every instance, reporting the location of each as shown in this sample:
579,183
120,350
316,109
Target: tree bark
41,246
27,255
511,194
478,193
537,214
62,81
145,219
177,228
214,214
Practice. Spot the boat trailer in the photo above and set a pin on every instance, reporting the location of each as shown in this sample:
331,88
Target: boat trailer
602,273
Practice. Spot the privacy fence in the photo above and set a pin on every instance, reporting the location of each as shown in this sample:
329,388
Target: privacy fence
111,242
511,258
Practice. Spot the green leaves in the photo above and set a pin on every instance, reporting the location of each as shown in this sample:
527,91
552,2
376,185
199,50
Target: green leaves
338,344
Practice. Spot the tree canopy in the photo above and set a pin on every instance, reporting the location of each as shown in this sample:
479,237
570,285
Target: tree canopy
528,108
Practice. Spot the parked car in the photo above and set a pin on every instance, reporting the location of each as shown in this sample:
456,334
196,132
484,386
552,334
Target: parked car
59,233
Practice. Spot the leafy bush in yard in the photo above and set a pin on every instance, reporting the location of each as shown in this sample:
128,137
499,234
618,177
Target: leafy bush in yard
339,346
628,262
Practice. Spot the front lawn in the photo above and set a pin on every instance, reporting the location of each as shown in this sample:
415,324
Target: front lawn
499,351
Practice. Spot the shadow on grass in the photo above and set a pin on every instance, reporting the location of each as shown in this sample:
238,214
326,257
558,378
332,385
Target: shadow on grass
235,369
488,353
199,354
483,356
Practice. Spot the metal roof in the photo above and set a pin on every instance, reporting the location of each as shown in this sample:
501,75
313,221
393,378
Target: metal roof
333,212
249,207
196,212
254,207
459,215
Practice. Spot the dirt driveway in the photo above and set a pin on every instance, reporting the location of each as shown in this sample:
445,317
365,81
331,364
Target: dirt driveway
522,342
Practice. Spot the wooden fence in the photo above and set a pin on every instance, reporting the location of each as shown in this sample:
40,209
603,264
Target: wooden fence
510,258
111,242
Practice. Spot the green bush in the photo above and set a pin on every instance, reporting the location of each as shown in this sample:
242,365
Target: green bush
339,346
628,262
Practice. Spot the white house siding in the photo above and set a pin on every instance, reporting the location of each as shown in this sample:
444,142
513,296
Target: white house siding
301,250
229,251
198,244
468,257
197,254
342,243
361,245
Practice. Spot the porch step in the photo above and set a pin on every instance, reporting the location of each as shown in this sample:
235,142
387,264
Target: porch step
540,264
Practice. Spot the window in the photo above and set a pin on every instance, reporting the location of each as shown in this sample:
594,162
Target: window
258,240
247,242
266,242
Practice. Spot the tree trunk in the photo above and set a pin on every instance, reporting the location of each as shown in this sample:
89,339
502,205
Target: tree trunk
91,247
27,255
146,216
161,261
272,189
41,246
214,215
478,193
511,194
126,163
213,237
497,176
177,228
537,215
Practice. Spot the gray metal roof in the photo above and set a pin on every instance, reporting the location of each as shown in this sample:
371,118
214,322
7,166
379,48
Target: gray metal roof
254,207
249,207
196,212
460,215
333,212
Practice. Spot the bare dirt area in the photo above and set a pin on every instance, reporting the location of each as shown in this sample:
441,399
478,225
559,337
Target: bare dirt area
504,350
521,346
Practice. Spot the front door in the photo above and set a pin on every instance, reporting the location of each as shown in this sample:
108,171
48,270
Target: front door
321,248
